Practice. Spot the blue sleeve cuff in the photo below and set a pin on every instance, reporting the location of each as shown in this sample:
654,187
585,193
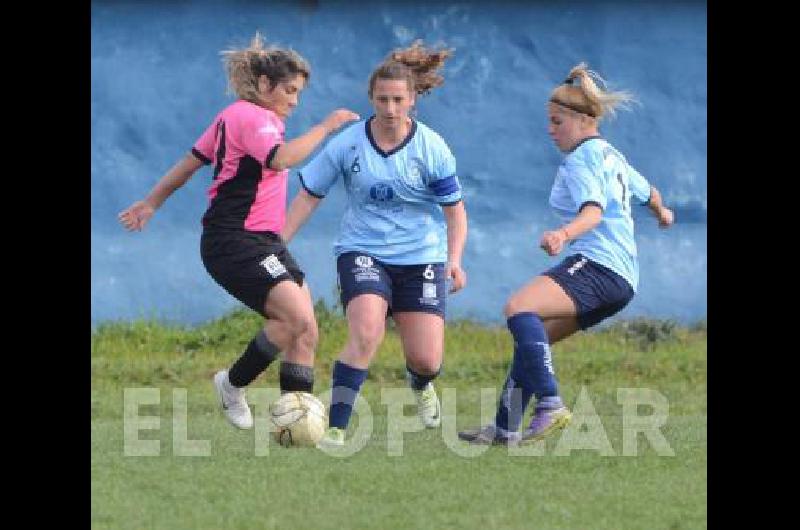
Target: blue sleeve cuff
308,190
586,203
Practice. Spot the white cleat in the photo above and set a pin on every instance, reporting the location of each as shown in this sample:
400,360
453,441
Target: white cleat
233,402
428,407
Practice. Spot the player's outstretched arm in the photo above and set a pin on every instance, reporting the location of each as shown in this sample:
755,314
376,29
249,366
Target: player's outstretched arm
135,216
664,215
553,241
300,210
295,151
456,217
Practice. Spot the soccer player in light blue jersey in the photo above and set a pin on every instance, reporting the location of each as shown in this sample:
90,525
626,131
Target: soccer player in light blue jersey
592,194
402,234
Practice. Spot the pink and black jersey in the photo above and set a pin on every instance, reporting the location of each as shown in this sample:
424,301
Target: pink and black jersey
245,192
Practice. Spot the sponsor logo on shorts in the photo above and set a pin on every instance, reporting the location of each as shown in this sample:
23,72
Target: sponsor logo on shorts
429,294
364,261
273,265
365,272
577,266
368,275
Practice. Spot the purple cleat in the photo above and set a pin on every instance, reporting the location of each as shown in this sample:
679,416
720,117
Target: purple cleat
545,422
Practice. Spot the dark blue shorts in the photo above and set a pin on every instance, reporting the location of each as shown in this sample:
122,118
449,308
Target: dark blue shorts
415,288
598,292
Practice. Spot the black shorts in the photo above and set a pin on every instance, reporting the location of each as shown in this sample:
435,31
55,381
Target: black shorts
598,292
248,264
414,288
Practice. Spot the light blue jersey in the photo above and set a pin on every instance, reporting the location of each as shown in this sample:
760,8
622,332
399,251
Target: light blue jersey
394,199
595,172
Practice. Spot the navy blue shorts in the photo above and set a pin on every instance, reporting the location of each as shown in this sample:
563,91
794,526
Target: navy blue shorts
598,292
248,264
415,288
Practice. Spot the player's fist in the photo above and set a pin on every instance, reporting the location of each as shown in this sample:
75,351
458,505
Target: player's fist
339,117
456,275
553,241
665,218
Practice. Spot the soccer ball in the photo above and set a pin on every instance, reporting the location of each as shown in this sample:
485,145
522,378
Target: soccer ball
299,419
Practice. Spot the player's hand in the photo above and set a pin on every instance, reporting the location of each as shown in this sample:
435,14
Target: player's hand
339,117
553,241
665,217
136,215
457,275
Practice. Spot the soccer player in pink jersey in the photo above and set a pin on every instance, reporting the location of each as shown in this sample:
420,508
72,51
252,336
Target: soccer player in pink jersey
240,245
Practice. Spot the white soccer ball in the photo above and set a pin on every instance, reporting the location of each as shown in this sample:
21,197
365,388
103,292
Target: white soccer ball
299,419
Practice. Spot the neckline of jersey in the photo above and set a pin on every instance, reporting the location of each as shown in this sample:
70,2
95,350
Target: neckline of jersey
387,154
595,137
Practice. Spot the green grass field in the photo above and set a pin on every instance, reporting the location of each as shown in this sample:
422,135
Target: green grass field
590,476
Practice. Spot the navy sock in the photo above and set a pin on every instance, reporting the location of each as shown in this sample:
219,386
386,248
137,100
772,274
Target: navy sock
419,381
347,382
255,359
296,377
531,371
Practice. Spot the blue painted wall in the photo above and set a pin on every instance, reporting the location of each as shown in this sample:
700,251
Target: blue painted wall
157,81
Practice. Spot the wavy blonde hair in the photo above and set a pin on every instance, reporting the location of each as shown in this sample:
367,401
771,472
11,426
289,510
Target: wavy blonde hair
245,66
416,64
581,92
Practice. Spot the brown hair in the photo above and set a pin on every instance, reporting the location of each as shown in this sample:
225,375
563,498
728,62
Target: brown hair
244,67
416,64
580,92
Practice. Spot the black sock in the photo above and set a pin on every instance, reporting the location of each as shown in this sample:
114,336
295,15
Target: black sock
296,377
419,381
255,359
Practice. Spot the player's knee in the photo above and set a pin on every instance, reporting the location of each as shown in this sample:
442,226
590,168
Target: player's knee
304,328
365,340
426,367
309,339
513,306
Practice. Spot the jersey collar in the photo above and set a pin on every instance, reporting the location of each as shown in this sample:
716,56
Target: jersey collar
396,149
583,141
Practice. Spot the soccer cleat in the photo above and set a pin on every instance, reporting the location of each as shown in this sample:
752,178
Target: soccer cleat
545,422
334,437
489,435
233,402
428,407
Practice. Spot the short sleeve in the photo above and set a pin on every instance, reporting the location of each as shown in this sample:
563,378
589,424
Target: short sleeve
443,182
319,175
261,136
639,186
585,184
203,148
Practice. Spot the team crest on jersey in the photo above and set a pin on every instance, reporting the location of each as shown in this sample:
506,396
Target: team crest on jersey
414,175
354,167
381,192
